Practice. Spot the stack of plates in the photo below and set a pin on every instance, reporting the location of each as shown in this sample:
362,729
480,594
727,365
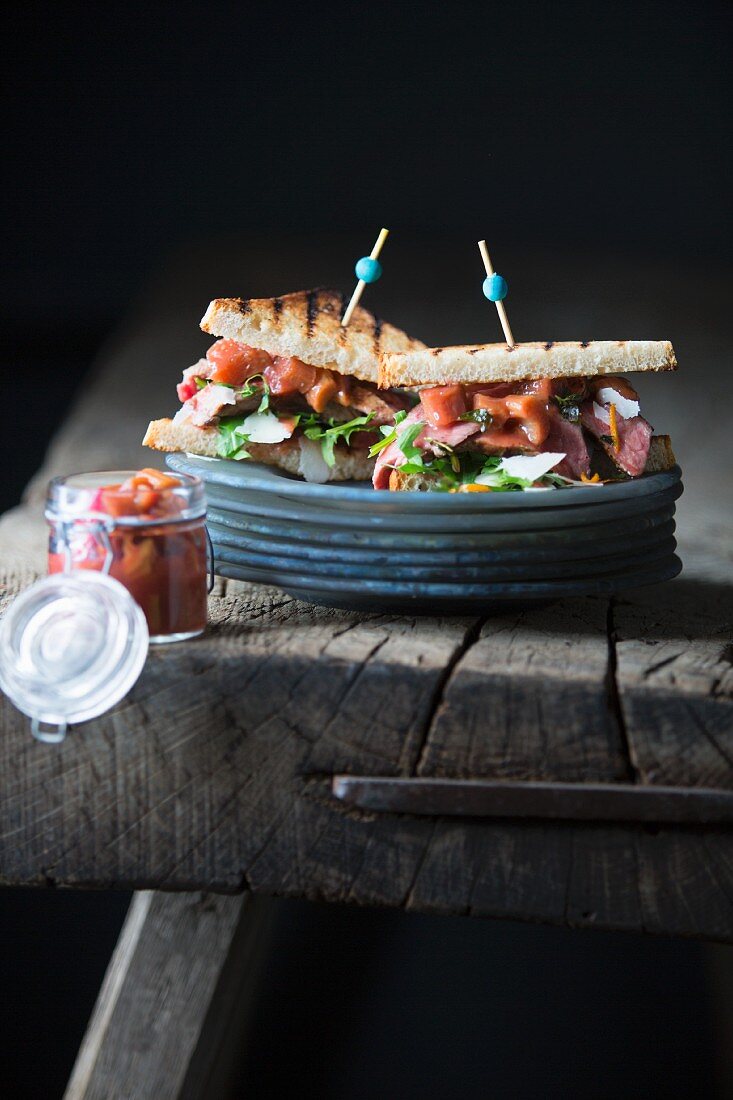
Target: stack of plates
345,545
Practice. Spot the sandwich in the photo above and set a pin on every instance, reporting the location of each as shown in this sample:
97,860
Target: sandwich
286,384
534,416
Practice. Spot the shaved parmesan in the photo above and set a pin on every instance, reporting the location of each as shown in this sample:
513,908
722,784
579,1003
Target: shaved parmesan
313,466
600,413
625,407
265,428
530,467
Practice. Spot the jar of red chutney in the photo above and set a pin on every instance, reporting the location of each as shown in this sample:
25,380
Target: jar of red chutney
147,530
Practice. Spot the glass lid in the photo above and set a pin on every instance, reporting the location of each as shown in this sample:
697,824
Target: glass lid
71,646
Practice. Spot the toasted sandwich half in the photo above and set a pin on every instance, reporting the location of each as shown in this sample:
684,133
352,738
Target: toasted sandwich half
532,416
287,385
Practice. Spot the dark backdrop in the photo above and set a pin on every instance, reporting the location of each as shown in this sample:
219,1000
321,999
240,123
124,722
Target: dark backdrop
130,129
567,125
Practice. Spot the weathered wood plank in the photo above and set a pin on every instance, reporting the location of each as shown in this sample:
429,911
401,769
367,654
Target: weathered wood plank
208,775
672,881
181,981
531,700
674,649
213,741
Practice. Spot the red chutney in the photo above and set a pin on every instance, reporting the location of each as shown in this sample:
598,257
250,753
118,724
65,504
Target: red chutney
232,363
517,414
159,550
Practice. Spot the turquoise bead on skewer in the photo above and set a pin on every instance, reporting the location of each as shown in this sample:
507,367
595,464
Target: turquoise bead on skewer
495,288
368,269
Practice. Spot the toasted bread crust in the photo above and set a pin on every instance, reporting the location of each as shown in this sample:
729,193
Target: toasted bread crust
164,435
471,363
307,324
661,457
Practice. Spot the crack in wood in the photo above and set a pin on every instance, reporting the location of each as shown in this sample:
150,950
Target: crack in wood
613,698
408,901
471,636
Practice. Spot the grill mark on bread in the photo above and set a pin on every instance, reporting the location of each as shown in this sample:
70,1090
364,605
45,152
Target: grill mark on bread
243,306
277,307
549,344
311,309
377,334
585,343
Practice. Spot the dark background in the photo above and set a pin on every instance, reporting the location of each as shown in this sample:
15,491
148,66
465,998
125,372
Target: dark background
596,130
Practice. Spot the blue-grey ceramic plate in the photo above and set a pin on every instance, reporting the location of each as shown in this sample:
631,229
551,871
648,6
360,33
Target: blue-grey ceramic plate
492,549
349,546
447,572
563,540
418,598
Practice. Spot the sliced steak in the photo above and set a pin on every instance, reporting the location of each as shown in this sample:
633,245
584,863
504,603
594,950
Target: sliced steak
634,439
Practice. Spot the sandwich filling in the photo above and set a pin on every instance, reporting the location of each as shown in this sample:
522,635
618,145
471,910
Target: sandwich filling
545,433
250,396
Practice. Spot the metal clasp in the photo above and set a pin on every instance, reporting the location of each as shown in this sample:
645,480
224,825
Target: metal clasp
101,527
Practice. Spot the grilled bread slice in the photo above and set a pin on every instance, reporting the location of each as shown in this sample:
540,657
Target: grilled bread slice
307,324
661,457
501,363
296,455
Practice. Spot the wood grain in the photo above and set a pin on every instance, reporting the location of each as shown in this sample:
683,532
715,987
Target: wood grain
531,700
184,971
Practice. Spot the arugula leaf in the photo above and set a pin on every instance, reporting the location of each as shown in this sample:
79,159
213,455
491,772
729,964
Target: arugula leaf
232,439
406,441
334,432
253,386
201,383
390,434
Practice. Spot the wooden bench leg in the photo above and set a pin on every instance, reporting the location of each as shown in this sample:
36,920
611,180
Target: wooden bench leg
175,999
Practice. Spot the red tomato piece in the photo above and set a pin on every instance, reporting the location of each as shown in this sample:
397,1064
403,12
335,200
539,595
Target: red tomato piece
443,404
234,362
532,413
186,389
286,374
525,414
324,390
494,406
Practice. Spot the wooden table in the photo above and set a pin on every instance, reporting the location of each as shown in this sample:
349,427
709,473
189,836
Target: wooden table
214,774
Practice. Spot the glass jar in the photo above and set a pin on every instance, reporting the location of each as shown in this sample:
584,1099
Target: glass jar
146,529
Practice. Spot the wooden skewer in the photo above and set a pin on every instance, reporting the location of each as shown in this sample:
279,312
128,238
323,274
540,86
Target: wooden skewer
499,305
359,289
